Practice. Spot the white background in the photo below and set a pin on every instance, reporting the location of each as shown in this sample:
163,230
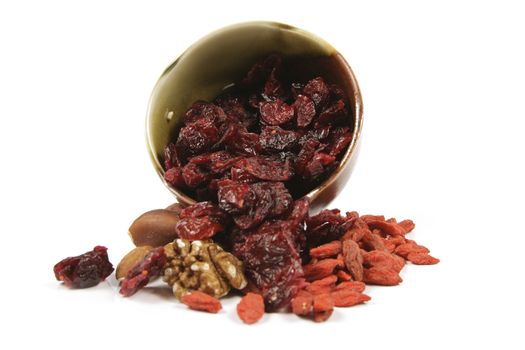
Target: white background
443,86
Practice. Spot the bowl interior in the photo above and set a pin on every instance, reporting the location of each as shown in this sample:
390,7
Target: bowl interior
222,58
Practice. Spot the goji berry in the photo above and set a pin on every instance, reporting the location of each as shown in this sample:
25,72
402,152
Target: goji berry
422,259
201,302
388,228
326,250
343,276
347,298
353,259
355,286
381,276
251,308
383,259
319,270
323,307
407,225
404,249
303,303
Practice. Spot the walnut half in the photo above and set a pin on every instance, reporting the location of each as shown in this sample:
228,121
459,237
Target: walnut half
202,266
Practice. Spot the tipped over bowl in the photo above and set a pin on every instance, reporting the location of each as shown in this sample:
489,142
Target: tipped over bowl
221,59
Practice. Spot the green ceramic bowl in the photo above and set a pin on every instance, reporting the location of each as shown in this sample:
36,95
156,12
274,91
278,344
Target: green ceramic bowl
223,57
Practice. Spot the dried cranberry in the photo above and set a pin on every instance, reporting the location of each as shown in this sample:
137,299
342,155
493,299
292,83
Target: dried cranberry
265,200
197,228
273,87
202,209
305,110
171,159
267,168
201,221
217,162
299,211
272,262
236,111
276,139
174,177
317,165
340,141
139,276
327,226
305,155
197,137
203,110
85,270
243,142
194,176
241,176
333,113
317,90
276,112
233,197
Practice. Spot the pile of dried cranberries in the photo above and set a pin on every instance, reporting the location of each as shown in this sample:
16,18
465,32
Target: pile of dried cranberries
261,130
250,157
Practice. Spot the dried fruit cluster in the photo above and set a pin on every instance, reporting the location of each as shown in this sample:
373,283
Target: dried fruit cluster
348,253
85,270
250,156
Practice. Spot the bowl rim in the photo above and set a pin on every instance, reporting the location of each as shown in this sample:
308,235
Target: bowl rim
351,151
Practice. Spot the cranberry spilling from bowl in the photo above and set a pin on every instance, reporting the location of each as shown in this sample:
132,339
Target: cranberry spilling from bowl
296,105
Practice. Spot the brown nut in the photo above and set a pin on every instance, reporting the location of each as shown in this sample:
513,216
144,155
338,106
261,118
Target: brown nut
154,228
130,260
228,266
175,207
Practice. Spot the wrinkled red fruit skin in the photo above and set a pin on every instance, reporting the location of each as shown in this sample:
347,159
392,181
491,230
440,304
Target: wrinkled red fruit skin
276,112
272,262
85,270
200,221
139,276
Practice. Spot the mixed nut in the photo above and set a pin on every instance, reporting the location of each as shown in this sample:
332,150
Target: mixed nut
250,156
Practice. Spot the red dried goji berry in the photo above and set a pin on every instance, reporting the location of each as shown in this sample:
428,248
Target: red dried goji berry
382,259
323,307
367,218
388,228
355,286
317,289
251,308
397,240
353,259
343,276
381,276
327,281
422,259
404,249
303,303
326,250
347,298
372,241
407,225
320,269
355,234
201,301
